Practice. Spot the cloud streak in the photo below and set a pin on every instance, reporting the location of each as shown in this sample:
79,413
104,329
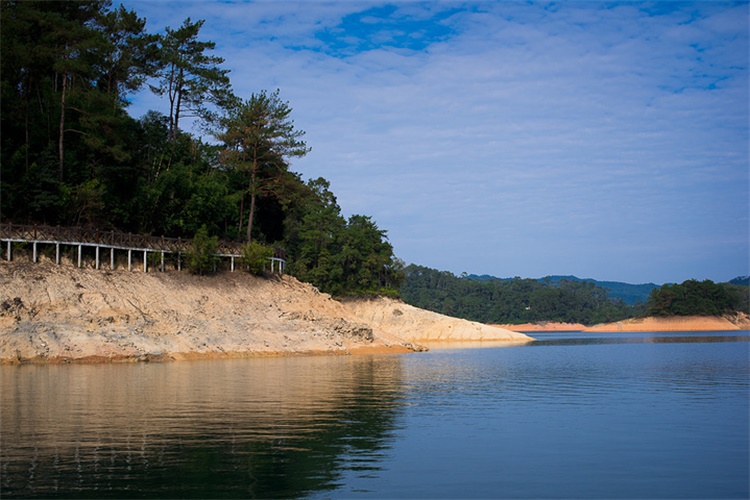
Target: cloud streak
602,140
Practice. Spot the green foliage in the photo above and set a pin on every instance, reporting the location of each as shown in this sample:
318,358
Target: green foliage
367,259
189,77
259,138
701,298
510,301
200,258
71,155
340,257
88,201
739,296
255,257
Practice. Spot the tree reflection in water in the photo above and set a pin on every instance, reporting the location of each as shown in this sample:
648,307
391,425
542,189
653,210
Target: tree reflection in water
280,427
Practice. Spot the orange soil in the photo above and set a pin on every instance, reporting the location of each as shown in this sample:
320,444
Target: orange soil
739,321
545,326
53,313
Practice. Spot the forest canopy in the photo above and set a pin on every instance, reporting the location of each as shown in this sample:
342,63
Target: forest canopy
512,301
519,300
704,298
71,154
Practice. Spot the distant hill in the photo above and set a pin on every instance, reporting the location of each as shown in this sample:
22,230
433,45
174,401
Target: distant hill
628,293
515,301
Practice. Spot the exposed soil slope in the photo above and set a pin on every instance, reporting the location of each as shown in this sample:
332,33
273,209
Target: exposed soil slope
545,326
418,325
739,321
59,313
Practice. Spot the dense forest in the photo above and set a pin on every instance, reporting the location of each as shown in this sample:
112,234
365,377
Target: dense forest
511,301
517,300
704,298
71,154
629,293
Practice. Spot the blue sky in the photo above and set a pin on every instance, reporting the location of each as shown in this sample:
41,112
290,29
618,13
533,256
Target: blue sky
603,140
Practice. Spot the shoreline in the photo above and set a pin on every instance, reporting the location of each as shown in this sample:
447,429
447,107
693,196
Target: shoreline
52,313
544,326
728,322
198,356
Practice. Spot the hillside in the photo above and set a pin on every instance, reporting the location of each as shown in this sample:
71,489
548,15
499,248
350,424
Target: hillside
514,301
627,292
58,313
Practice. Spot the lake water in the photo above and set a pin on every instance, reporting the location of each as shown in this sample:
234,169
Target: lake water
628,415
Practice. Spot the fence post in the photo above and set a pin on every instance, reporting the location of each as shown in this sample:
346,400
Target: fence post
97,253
145,262
130,259
162,260
112,258
34,252
10,255
57,252
80,254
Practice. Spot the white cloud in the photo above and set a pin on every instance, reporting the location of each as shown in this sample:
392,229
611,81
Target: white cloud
540,139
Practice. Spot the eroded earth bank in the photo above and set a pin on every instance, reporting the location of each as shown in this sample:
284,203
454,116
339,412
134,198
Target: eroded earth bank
59,313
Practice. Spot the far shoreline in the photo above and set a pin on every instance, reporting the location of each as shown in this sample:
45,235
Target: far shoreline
729,322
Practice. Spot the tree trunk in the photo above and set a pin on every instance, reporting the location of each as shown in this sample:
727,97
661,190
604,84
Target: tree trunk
171,94
252,203
178,91
60,146
26,132
242,214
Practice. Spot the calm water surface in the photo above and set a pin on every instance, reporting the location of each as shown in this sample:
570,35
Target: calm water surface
625,415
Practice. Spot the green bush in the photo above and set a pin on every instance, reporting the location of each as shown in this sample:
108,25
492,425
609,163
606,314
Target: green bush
200,258
255,257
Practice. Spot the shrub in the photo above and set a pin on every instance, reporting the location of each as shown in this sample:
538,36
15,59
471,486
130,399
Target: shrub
200,258
255,256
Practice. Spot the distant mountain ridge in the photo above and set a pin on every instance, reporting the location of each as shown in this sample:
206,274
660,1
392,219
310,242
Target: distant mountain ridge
627,292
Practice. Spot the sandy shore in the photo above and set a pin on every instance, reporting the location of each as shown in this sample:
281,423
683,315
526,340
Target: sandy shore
59,313
737,321
419,325
545,326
